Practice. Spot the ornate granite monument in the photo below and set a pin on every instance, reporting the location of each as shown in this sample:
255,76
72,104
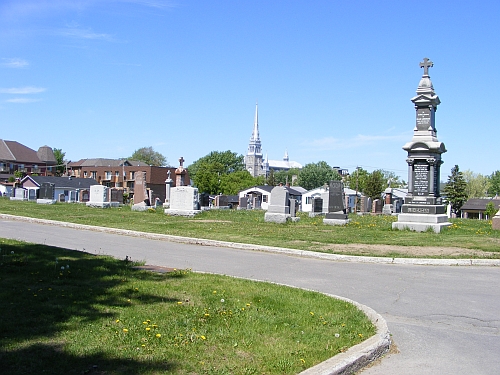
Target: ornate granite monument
423,208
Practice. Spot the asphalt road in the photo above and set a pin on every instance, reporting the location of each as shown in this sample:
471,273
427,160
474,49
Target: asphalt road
444,319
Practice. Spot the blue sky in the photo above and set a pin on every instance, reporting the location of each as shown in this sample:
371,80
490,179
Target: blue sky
333,79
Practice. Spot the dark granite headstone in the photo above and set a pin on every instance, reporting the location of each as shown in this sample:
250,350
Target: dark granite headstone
47,190
317,205
336,208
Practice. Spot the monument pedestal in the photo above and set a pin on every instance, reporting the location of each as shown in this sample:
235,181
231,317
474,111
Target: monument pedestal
421,222
46,201
188,213
336,218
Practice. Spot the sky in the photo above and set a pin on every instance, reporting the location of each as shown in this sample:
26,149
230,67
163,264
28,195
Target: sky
333,79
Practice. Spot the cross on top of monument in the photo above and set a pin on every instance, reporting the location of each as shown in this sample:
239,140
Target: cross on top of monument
426,64
181,161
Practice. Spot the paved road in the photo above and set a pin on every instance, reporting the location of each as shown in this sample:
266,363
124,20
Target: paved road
444,319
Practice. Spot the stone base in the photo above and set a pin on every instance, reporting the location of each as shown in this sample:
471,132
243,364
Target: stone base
18,199
140,207
98,204
421,223
314,214
188,213
387,209
46,201
495,222
272,217
114,204
337,216
335,221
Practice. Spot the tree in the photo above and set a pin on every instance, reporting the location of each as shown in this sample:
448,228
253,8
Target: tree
494,186
227,162
394,179
477,184
149,156
234,182
271,180
357,179
314,175
290,176
60,162
375,184
490,210
454,189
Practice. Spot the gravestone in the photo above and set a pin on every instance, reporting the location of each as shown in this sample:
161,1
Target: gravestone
388,206
98,197
377,206
184,201
84,196
20,194
423,207
46,193
141,196
336,210
168,187
279,206
242,203
62,198
317,207
495,221
116,197
221,202
180,173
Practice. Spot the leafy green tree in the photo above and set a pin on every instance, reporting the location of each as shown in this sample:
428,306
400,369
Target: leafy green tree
234,182
477,184
490,210
271,180
314,175
226,161
357,179
455,189
375,184
208,177
290,176
149,156
494,186
395,180
60,162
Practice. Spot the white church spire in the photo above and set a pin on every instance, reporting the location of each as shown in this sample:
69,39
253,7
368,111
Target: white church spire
255,133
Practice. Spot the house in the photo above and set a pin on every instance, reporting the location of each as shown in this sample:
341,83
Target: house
16,157
322,192
6,188
70,187
121,174
475,208
259,196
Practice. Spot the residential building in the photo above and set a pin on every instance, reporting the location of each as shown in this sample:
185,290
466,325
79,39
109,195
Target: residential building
16,157
121,174
475,208
259,196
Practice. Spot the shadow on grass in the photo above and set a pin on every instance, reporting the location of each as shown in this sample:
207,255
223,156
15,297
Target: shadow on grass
44,290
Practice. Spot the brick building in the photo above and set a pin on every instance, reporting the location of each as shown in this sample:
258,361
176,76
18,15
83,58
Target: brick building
16,157
121,174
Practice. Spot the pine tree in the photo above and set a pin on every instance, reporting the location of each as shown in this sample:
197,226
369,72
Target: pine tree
455,189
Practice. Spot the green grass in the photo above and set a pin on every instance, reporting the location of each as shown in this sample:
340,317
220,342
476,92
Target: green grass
64,312
248,226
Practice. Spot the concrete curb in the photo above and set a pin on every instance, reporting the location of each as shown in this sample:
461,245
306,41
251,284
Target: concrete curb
270,249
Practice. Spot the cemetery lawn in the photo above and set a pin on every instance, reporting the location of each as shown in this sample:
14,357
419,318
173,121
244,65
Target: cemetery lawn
364,235
68,312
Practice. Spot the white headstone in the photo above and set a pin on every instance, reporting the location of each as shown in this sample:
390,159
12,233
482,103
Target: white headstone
98,196
184,201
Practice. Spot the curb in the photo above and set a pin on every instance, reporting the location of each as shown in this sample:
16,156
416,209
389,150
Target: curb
270,249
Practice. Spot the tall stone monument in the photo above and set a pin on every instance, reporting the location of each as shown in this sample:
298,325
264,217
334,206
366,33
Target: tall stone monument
423,208
180,173
336,209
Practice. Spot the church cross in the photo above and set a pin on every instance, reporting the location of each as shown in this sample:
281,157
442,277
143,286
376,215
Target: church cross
181,161
426,64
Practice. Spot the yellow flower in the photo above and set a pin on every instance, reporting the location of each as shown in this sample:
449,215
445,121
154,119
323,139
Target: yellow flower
145,323
203,337
158,335
302,360
248,304
312,314
214,292
207,314
117,320
125,330
148,329
179,303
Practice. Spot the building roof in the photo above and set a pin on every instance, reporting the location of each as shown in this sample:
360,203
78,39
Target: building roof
283,164
63,182
15,151
479,204
102,162
291,190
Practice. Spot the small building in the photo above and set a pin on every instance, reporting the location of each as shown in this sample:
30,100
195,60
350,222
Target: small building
322,192
16,157
475,208
259,196
70,187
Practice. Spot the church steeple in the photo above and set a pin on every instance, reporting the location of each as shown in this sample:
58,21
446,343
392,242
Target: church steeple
253,160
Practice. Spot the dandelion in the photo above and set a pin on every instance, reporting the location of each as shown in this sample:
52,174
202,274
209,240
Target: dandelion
125,330
148,329
145,323
248,305
143,345
179,303
214,292
117,321
207,314
302,360
337,335
203,337
360,334
310,312
158,335
222,300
